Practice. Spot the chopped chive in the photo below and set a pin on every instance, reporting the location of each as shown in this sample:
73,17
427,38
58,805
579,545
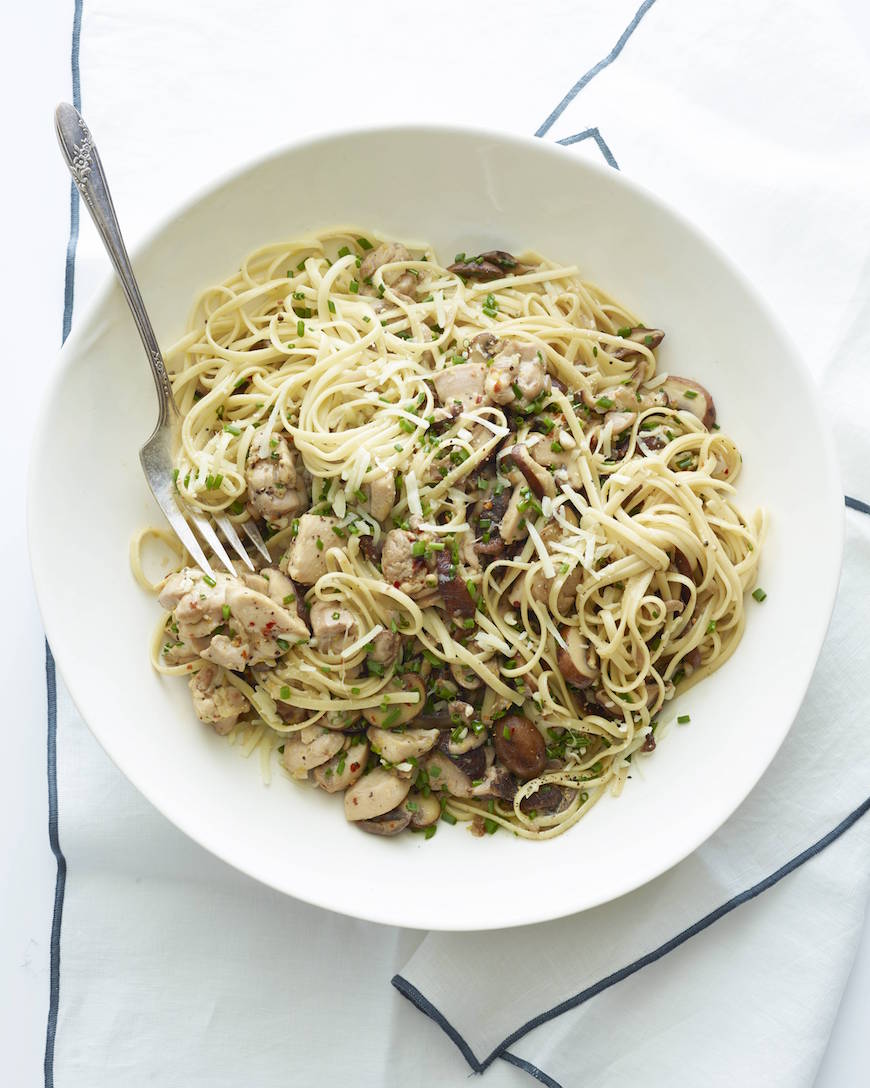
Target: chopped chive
690,394
604,402
759,595
491,826
354,287
624,331
683,719
344,252
209,581
231,429
225,611
711,627
446,816
300,328
285,692
363,243
283,644
331,305
418,548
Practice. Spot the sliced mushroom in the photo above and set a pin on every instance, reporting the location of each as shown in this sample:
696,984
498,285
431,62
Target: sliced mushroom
454,592
520,746
689,396
650,338
509,529
468,743
578,663
497,783
472,761
445,775
423,810
390,823
548,799
343,769
375,793
538,478
491,265
301,756
400,747
398,713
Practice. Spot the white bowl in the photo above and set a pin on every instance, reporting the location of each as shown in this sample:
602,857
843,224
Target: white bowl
469,191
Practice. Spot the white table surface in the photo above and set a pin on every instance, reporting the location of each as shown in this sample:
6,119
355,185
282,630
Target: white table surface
35,76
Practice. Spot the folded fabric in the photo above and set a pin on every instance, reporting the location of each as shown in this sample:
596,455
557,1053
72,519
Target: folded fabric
172,969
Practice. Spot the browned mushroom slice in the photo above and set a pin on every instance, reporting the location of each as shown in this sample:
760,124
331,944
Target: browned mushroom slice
578,662
498,783
445,775
650,338
492,265
685,568
547,799
520,746
538,478
389,823
454,592
689,396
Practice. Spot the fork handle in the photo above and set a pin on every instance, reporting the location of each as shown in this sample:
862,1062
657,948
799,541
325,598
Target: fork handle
80,155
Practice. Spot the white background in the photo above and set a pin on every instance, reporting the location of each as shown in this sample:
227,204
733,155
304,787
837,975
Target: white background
35,75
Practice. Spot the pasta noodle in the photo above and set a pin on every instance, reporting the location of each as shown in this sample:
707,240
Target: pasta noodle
561,515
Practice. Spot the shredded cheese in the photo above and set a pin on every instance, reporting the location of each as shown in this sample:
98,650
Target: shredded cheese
541,548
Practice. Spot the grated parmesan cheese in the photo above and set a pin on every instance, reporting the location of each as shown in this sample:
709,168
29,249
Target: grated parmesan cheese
541,548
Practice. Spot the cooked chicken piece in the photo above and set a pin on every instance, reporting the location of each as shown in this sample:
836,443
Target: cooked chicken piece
401,568
276,488
381,496
461,387
402,282
334,626
385,648
230,624
516,365
215,700
306,557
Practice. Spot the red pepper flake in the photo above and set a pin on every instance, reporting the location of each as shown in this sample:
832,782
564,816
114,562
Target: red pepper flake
354,767
269,625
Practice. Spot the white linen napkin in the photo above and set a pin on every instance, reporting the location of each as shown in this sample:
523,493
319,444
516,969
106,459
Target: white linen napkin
175,970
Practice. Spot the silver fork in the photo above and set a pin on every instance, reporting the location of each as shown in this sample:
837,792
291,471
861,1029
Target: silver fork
158,454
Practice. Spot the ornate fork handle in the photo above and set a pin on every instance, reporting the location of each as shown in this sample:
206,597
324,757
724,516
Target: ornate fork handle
84,164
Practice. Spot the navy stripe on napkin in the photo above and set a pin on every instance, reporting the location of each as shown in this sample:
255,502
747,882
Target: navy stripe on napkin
50,671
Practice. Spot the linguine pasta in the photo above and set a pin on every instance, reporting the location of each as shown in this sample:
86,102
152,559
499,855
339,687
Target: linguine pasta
501,540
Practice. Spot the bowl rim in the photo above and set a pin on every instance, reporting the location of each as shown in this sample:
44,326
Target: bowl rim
195,830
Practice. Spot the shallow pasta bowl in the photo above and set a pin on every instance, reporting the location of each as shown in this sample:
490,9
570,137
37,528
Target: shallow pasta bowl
662,268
